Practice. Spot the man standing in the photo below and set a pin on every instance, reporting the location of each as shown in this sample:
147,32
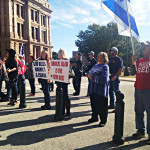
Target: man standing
142,92
77,68
116,66
92,61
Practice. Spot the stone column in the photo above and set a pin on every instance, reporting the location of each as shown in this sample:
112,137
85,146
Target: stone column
15,20
2,18
40,34
47,37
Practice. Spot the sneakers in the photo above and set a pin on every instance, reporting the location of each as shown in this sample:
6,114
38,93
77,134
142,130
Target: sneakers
22,106
92,120
12,102
138,135
101,124
45,107
32,94
75,94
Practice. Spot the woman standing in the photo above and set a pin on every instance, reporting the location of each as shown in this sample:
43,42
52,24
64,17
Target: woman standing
11,66
45,84
66,100
99,89
30,76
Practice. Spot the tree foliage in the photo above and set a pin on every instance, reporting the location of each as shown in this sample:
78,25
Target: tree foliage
101,38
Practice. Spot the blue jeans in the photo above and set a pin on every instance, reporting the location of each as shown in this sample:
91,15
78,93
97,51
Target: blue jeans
13,89
142,104
45,88
32,85
114,89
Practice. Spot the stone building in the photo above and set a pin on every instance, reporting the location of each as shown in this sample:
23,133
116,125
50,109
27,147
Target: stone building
25,22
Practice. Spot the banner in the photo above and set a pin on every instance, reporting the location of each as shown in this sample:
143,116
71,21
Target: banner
60,70
40,69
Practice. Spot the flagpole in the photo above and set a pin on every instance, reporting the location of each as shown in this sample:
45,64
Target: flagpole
130,27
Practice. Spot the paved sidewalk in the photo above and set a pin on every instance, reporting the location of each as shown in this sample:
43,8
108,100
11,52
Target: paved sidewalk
34,129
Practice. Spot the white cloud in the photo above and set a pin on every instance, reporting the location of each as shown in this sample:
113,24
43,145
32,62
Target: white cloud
141,12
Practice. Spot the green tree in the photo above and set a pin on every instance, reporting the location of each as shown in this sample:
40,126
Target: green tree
101,38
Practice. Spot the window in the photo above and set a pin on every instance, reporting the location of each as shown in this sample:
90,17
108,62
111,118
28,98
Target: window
44,21
18,29
22,30
18,9
36,16
36,33
22,12
44,36
32,32
31,14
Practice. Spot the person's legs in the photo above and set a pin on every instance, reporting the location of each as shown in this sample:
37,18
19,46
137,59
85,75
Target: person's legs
112,94
45,88
139,111
94,117
32,85
146,100
103,109
74,84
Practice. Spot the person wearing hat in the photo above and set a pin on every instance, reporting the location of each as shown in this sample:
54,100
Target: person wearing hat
11,66
116,66
142,92
77,68
92,61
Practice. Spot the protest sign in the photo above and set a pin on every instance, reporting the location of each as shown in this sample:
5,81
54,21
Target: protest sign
60,70
40,69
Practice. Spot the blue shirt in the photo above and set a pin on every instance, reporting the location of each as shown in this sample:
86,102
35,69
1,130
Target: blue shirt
115,63
100,80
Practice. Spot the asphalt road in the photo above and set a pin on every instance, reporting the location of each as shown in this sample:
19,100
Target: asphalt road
34,129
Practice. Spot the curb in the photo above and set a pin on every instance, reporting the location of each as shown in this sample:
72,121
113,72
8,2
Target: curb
127,80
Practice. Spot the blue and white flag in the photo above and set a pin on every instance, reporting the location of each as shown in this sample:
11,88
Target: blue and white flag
118,10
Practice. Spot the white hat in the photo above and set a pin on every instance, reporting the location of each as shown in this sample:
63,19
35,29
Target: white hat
115,49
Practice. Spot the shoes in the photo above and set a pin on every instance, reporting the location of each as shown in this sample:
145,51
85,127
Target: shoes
138,135
22,106
111,107
101,124
67,116
92,120
45,107
12,102
148,141
32,94
75,94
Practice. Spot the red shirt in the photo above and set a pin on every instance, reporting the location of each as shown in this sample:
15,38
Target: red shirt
143,74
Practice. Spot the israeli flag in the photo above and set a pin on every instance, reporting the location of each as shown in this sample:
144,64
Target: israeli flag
119,11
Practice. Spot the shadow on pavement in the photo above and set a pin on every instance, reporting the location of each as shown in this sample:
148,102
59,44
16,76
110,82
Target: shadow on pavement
40,120
31,137
111,146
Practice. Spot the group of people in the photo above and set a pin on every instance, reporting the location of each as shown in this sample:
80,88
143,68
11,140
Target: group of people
104,81
103,78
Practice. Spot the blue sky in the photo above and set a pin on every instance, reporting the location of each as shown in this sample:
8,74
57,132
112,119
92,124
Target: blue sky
71,16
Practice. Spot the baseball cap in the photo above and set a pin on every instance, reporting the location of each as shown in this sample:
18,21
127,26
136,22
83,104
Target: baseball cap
147,43
115,49
91,53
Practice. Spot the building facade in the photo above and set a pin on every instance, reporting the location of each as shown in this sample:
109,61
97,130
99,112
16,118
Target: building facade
25,22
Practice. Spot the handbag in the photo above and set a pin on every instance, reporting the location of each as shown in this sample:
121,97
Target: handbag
71,73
